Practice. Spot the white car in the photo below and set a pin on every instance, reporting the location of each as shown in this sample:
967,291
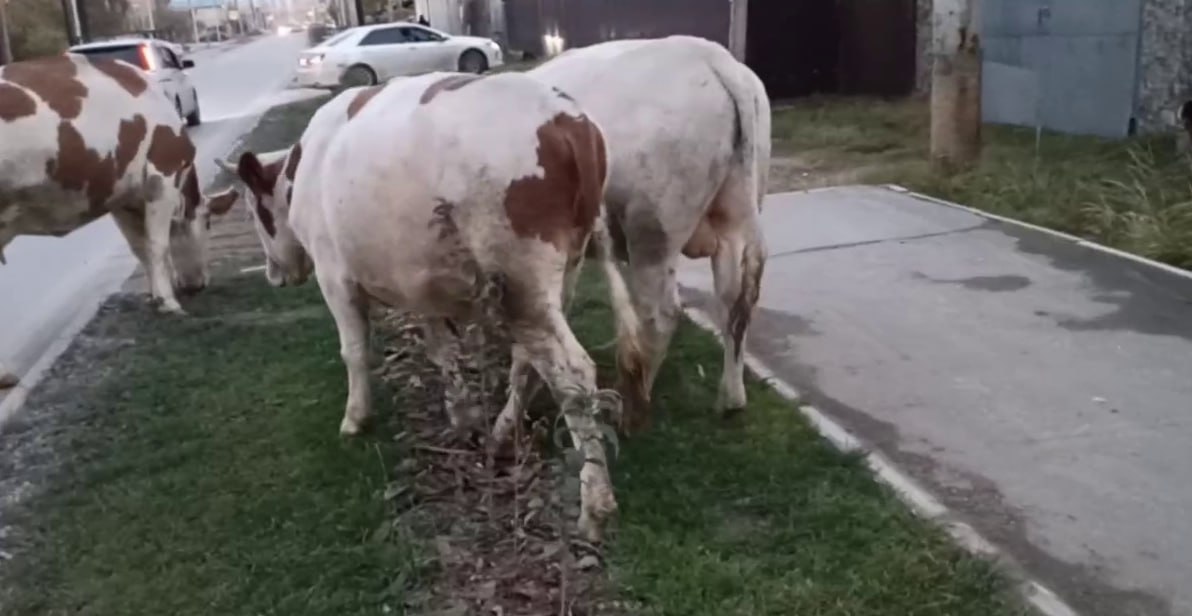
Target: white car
162,60
367,55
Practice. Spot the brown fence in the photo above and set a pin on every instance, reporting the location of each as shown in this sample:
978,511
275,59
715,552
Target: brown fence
797,47
584,22
808,47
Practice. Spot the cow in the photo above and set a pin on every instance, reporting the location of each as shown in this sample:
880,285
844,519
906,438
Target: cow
688,129
8,379
80,138
426,193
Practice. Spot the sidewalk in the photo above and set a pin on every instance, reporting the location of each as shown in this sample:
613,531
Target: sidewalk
1037,387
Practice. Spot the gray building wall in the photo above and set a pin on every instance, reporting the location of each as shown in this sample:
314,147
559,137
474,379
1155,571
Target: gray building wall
1164,62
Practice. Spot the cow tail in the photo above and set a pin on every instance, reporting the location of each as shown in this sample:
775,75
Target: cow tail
752,128
632,359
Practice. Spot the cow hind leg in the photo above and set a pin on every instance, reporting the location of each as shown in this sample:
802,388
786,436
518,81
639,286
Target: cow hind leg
132,227
524,383
655,294
158,215
464,408
554,352
737,269
349,308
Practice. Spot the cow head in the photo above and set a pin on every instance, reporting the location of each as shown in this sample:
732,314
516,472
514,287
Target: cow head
190,231
270,177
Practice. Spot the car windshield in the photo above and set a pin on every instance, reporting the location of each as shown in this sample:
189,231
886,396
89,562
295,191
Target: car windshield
128,53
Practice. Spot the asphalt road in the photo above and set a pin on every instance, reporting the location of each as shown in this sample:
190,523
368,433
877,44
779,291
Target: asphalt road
49,283
1039,387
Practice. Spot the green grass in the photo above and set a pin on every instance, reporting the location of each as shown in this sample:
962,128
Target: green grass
1133,194
766,518
207,477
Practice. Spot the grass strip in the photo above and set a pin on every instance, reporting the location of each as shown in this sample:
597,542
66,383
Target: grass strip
762,516
206,475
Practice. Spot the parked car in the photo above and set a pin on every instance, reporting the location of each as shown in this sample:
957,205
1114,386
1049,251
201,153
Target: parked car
368,55
164,63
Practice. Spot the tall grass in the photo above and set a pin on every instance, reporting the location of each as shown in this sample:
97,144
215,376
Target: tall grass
1132,194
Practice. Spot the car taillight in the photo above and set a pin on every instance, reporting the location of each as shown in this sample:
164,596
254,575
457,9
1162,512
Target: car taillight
147,58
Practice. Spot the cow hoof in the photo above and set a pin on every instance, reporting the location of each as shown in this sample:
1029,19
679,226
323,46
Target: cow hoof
350,427
730,404
172,308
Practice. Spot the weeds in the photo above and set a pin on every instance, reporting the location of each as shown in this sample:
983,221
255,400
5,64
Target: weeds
1131,194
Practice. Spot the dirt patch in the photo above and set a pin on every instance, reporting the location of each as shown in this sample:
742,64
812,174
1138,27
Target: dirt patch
805,172
501,527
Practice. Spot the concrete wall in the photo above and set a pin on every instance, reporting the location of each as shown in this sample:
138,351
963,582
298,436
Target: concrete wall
1165,60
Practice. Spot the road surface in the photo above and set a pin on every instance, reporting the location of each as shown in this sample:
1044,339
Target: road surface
49,282
1039,387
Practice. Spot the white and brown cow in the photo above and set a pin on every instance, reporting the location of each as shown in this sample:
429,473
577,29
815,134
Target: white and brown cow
80,138
688,129
421,195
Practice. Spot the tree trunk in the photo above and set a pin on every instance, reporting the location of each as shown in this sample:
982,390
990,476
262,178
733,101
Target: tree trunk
955,85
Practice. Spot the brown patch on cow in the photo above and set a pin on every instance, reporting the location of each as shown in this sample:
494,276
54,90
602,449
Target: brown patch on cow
261,180
292,161
170,152
561,206
188,184
362,99
446,84
123,74
76,167
128,142
54,79
15,103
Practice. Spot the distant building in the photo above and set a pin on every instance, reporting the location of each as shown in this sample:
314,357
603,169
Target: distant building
1100,67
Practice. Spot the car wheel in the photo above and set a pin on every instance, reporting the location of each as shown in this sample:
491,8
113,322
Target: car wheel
195,118
473,61
359,75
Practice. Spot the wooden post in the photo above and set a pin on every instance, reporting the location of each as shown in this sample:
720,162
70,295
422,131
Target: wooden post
955,85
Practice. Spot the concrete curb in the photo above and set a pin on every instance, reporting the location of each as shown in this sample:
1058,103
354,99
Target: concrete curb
920,500
1026,225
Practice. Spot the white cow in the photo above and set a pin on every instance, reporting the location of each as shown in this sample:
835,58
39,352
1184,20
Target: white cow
423,194
688,129
80,138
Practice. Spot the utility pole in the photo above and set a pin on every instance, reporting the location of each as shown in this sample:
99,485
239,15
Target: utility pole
955,84
152,20
82,23
70,18
5,58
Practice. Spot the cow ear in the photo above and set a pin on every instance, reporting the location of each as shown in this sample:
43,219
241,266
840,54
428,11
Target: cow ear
219,203
253,173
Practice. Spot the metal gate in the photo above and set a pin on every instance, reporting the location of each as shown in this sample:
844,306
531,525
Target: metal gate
804,47
585,22
1065,65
